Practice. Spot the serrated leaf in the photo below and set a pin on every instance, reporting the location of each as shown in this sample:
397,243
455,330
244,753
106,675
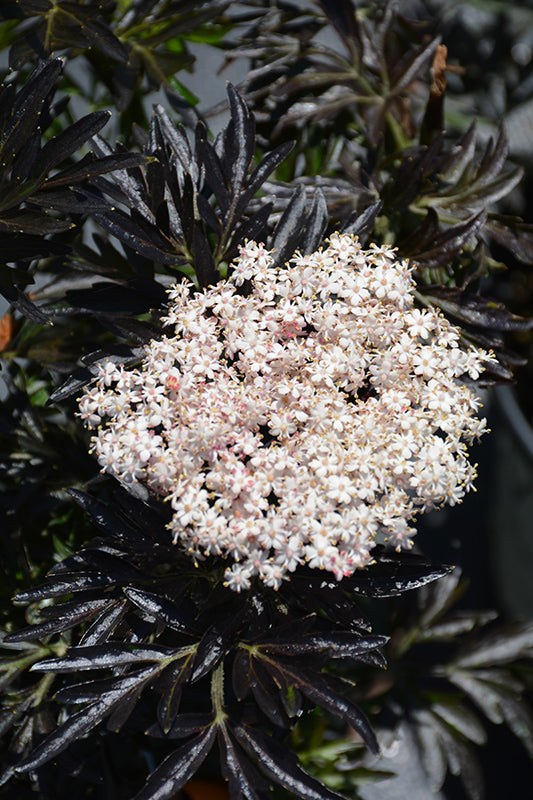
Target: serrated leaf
91,167
95,690
393,574
213,168
266,694
178,768
239,140
68,141
475,310
413,63
500,648
267,165
184,725
286,236
109,522
241,673
32,223
77,725
461,719
317,688
128,232
316,224
447,245
104,656
281,765
431,752
103,627
485,696
360,224
242,777
436,599
27,107
72,615
204,263
335,645
169,702
214,645
160,607
451,628
69,583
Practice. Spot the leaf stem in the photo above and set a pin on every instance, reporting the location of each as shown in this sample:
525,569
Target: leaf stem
217,694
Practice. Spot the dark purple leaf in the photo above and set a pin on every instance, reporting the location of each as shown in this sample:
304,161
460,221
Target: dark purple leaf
266,166
255,229
213,168
286,237
93,691
412,65
90,167
108,521
101,37
19,301
103,627
447,245
204,263
241,673
212,648
77,725
68,142
32,223
360,224
27,107
342,15
66,584
75,613
169,702
160,607
128,232
178,768
474,310
238,140
266,694
242,777
392,574
336,645
315,225
184,725
208,214
104,656
319,688
281,765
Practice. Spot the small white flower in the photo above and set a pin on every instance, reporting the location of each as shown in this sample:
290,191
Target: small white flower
293,422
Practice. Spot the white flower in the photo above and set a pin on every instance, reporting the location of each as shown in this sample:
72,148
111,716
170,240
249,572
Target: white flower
293,422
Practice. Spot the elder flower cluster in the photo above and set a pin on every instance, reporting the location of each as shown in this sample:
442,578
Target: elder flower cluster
292,415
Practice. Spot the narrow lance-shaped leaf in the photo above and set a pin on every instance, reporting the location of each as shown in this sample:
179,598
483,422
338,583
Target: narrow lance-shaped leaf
95,690
61,622
289,228
178,768
281,765
68,141
316,224
318,689
359,224
159,607
103,656
239,140
242,777
77,725
169,702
